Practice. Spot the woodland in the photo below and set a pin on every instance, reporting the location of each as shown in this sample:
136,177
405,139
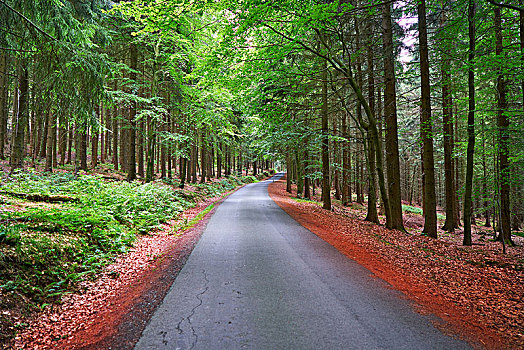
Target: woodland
398,106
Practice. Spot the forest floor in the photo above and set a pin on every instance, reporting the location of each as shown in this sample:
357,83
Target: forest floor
477,291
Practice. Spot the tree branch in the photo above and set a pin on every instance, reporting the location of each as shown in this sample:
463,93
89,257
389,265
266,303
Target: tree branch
28,21
511,7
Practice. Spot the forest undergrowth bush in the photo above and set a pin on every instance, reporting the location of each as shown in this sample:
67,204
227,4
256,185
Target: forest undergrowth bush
46,249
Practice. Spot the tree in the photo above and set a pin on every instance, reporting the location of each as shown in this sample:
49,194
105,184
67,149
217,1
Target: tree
390,112
471,123
426,135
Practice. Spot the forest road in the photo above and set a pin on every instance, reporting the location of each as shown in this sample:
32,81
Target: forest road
259,280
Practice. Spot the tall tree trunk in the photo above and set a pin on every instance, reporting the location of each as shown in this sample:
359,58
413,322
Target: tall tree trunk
131,154
430,205
141,150
183,172
471,125
326,185
62,138
108,150
372,214
203,153
289,176
16,160
70,139
49,144
194,161
94,140
307,189
390,112
219,160
346,159
487,208
38,137
521,32
116,135
4,86
503,125
447,122
102,136
83,147
300,177
336,172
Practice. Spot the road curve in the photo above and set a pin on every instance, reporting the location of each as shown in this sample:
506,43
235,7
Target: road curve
259,280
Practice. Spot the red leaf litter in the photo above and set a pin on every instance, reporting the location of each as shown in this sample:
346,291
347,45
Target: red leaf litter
476,291
112,311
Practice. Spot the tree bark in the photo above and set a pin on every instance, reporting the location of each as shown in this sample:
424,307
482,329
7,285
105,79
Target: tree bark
390,112
131,154
326,185
447,123
503,126
4,86
16,160
372,214
51,120
203,151
83,147
430,205
346,159
471,125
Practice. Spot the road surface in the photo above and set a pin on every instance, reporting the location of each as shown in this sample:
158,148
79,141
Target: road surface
259,280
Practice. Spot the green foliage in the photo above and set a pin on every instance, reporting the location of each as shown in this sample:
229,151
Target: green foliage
46,249
418,211
410,209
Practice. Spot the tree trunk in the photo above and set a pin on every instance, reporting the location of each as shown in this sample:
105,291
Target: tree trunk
219,160
346,159
115,138
336,172
150,163
447,122
4,86
141,150
16,160
289,174
62,138
430,205
471,125
203,152
70,139
326,185
131,134
390,112
83,147
194,155
372,214
503,125
307,190
300,178
183,172
51,120
102,136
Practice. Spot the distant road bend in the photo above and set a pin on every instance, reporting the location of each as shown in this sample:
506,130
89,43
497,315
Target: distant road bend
259,280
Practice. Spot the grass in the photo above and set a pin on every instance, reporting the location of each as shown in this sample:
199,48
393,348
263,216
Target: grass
303,200
416,210
190,223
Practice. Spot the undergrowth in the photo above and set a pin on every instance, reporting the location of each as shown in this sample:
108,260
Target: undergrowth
46,249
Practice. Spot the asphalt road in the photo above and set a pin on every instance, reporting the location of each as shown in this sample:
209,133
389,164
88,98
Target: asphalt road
259,280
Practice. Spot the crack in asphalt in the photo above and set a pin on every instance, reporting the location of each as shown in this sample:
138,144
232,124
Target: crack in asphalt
192,313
